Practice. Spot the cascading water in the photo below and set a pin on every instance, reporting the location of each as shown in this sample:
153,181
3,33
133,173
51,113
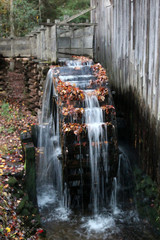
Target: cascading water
74,168
49,167
113,203
122,186
97,135
124,180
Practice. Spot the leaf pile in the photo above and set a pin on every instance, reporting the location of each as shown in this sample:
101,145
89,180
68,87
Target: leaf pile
10,223
71,98
107,108
76,128
14,118
68,93
82,59
100,74
71,110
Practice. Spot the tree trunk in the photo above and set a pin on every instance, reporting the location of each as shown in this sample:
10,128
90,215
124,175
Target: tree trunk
11,19
40,14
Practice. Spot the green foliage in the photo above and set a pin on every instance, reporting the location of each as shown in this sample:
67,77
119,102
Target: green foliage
27,14
71,8
148,198
25,17
12,181
56,9
4,18
2,128
11,129
50,9
5,109
22,204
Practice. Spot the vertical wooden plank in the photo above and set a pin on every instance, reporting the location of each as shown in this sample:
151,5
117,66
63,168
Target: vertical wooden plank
144,49
155,75
158,68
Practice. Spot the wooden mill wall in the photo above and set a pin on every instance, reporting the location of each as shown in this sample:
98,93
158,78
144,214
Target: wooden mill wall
127,43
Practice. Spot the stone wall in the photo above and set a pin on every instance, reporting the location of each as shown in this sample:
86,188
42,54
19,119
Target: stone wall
4,66
33,74
127,43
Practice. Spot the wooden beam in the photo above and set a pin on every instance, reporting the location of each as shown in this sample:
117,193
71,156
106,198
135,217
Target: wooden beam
70,24
77,24
77,15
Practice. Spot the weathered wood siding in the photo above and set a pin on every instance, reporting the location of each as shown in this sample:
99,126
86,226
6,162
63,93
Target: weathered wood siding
13,47
50,42
75,40
127,43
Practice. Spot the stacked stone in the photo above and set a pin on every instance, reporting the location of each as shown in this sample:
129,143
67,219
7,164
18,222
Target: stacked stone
35,74
31,85
31,75
4,65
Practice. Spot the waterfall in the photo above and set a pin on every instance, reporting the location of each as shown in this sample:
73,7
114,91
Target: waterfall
122,185
124,180
49,167
97,135
77,164
113,203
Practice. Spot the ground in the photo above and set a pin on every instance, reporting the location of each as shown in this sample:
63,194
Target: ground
14,119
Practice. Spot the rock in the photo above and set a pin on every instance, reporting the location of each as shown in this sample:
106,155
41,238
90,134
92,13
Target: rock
33,73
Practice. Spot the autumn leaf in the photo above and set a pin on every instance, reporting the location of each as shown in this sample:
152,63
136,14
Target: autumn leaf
8,229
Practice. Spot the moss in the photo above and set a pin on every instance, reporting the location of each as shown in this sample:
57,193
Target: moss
18,193
35,211
21,193
30,178
38,221
147,198
25,212
22,204
12,181
29,206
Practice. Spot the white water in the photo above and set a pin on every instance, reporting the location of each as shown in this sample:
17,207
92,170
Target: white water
97,135
113,203
72,77
124,168
49,166
99,224
48,199
77,63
